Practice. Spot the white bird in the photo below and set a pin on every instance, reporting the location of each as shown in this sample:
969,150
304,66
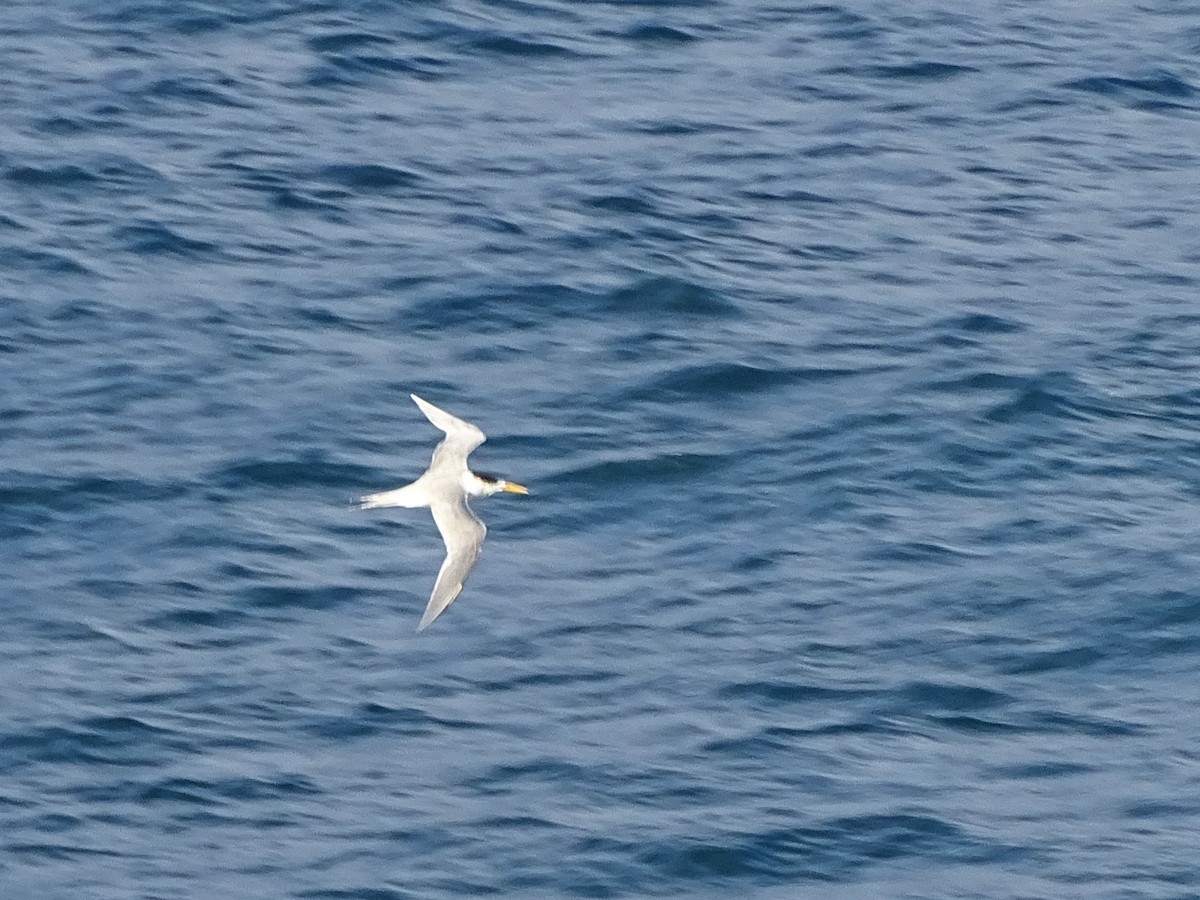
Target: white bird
444,488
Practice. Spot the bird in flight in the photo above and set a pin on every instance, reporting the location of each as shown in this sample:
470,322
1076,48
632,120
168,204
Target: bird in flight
444,488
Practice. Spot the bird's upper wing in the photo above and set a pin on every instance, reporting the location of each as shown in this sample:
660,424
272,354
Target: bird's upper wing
463,535
459,434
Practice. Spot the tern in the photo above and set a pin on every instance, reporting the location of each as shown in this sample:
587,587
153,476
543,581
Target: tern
444,488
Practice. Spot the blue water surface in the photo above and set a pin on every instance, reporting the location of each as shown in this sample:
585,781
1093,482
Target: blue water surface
851,352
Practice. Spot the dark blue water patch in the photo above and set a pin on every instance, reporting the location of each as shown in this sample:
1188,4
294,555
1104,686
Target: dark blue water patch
725,382
648,472
70,310
552,679
1161,84
46,851
288,198
1087,725
217,91
831,20
1029,662
54,176
835,851
1043,769
199,23
1029,105
837,150
1052,395
620,203
370,719
684,127
1169,608
521,48
720,381
43,262
669,296
976,381
117,740
1163,810
830,252
55,823
288,473
501,779
354,72
766,743
490,223
975,330
369,178
323,316
64,126
975,726
147,238
657,34
365,893
493,312
285,597
171,792
176,792
788,195
286,190
919,71
83,492
787,693
341,41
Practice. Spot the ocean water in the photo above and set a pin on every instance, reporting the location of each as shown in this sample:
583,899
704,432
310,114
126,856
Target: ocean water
851,352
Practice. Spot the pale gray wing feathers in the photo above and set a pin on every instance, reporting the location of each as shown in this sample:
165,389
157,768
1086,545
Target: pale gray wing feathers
461,435
463,535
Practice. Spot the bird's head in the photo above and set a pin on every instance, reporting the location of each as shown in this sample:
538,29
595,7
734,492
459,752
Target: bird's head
480,484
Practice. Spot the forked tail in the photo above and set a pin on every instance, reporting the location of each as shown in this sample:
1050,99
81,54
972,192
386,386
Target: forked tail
411,495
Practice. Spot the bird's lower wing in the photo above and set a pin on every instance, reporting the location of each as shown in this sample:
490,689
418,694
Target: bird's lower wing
463,535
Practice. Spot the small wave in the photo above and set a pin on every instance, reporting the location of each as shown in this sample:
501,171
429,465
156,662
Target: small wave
281,473
370,719
521,48
666,295
121,740
1056,395
833,850
620,203
787,693
657,34
291,597
979,323
47,262
649,471
52,176
363,893
193,91
85,491
369,177
148,238
723,381
920,71
341,41
1162,84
